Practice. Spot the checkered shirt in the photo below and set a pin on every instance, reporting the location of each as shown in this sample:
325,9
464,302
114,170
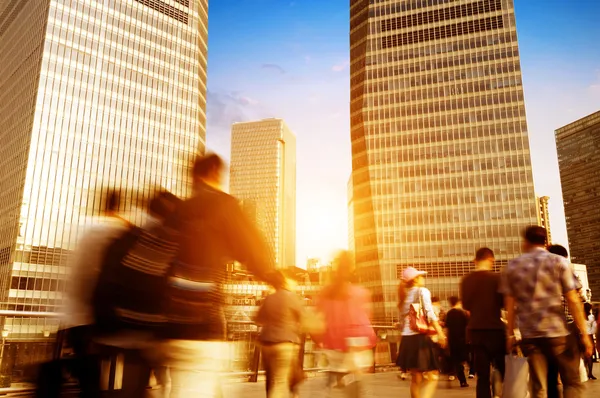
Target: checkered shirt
538,280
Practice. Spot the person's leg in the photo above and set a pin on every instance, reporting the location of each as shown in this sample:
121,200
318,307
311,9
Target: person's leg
85,366
497,354
282,358
590,363
136,374
535,351
195,367
552,380
429,384
482,370
415,384
267,361
459,370
566,354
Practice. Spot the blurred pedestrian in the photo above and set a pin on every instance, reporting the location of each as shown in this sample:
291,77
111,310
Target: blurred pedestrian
280,316
486,330
532,285
418,353
456,325
553,376
79,320
591,331
213,231
349,338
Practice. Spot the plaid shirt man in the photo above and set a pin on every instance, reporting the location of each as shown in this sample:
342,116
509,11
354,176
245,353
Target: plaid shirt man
538,280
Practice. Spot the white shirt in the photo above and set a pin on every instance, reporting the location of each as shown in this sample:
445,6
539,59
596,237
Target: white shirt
85,268
592,326
413,298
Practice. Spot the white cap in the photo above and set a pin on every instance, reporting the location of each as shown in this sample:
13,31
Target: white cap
411,273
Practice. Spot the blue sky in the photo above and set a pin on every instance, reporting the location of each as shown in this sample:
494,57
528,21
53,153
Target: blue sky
289,59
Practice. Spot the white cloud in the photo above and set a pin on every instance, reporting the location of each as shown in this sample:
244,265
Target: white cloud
340,66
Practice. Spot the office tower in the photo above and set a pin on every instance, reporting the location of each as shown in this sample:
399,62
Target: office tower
263,171
93,94
543,215
578,146
350,216
440,150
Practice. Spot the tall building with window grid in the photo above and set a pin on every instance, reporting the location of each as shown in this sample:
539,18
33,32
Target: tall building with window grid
93,94
578,147
263,172
440,151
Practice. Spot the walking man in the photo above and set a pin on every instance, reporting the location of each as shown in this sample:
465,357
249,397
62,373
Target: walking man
486,331
533,285
213,232
456,323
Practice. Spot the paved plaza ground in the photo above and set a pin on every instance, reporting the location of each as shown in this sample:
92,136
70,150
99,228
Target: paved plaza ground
380,385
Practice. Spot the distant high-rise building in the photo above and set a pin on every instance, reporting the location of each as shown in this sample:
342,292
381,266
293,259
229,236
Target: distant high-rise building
544,216
440,151
263,170
578,146
93,94
350,216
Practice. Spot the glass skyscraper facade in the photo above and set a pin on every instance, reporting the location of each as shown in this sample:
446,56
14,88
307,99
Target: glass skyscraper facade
440,150
94,94
578,146
263,177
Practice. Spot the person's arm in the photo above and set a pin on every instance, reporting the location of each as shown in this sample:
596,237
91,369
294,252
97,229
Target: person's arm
247,242
431,317
464,296
261,315
570,284
509,306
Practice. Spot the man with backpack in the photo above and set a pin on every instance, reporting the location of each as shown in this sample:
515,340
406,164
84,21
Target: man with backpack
213,231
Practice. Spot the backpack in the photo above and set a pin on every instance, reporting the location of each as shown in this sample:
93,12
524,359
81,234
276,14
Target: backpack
131,287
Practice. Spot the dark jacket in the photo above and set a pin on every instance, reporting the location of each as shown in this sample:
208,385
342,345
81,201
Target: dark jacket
213,232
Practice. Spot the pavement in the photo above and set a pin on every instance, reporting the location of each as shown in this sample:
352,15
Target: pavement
380,385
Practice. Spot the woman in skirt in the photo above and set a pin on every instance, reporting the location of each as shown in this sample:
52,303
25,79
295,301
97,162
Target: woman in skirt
418,354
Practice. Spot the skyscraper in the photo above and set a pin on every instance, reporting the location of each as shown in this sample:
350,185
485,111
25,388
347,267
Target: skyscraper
263,171
543,215
440,151
578,146
93,94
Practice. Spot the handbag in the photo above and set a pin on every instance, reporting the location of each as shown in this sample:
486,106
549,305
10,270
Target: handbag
516,378
418,319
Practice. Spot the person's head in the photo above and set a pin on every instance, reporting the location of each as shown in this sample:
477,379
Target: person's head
344,267
534,237
208,169
342,277
411,277
558,250
454,302
436,302
112,202
587,309
163,204
484,259
278,280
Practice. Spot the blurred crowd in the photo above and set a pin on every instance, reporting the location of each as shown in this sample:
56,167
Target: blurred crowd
152,294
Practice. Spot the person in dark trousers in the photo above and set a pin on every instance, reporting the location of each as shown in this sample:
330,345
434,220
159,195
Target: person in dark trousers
486,330
533,285
553,379
456,324
591,325
213,232
280,316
